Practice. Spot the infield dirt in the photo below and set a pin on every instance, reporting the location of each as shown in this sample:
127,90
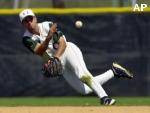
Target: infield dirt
72,109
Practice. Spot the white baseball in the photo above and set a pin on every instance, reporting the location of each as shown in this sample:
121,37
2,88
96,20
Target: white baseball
78,24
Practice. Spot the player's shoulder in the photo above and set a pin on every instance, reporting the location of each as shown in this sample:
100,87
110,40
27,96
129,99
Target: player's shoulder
45,26
46,23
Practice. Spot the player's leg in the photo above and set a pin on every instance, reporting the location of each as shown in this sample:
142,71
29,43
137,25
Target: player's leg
116,71
76,83
82,88
72,79
77,65
103,78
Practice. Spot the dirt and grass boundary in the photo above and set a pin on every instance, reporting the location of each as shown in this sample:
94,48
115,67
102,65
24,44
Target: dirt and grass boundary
73,105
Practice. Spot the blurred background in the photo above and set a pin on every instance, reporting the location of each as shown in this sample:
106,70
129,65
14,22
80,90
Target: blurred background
122,37
68,3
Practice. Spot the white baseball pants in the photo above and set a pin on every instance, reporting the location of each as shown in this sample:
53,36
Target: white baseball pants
77,74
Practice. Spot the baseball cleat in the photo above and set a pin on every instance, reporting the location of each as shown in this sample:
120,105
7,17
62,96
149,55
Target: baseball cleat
107,101
120,71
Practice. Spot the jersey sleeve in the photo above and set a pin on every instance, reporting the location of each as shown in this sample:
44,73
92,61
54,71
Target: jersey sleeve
29,43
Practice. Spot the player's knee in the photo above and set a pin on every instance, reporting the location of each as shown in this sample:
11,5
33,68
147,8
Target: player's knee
85,92
86,79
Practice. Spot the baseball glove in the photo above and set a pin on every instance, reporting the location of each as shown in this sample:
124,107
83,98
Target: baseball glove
52,68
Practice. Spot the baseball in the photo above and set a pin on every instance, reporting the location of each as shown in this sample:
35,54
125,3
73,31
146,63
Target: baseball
78,24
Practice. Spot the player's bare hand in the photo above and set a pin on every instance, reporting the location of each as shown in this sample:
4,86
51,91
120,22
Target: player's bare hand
52,30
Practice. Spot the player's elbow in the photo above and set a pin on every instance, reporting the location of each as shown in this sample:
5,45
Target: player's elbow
62,43
39,53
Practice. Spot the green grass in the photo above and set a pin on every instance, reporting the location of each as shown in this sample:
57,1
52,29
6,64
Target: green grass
71,101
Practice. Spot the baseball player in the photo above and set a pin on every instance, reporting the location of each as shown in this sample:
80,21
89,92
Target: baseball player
65,58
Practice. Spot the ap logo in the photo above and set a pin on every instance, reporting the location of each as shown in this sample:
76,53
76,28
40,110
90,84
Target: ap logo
139,7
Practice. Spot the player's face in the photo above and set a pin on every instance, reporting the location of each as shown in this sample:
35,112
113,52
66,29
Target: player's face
30,23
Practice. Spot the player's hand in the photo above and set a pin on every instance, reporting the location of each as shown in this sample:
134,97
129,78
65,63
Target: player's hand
52,30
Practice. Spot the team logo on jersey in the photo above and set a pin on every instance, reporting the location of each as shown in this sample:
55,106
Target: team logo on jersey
55,45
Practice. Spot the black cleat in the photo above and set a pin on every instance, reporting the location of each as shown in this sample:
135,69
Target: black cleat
107,101
119,71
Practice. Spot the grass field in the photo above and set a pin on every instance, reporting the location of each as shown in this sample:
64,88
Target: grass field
71,101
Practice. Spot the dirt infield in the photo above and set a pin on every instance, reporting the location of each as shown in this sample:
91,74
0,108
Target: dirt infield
72,109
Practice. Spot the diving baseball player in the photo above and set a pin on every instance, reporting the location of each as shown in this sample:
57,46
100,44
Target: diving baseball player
65,58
